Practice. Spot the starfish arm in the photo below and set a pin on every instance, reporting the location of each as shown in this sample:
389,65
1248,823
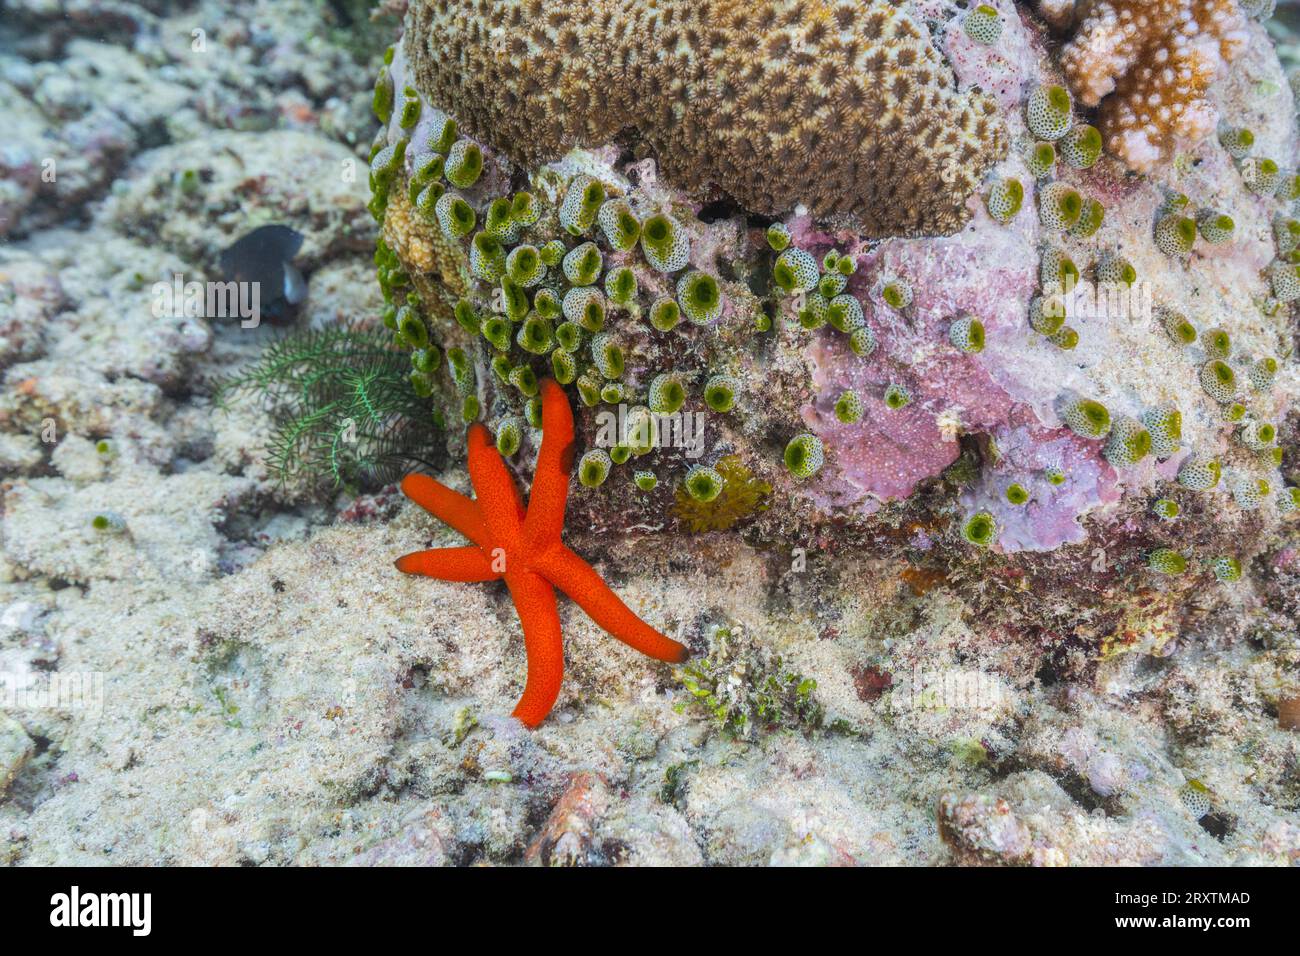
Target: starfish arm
494,489
550,489
450,507
466,563
576,578
535,601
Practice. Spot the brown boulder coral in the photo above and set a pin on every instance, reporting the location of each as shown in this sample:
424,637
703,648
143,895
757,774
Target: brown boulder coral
1150,63
742,95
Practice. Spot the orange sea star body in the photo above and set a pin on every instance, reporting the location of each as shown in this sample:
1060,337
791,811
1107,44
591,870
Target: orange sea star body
523,547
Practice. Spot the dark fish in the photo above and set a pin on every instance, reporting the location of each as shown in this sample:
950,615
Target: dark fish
265,256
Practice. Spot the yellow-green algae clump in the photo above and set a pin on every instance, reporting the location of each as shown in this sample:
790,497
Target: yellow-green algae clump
742,495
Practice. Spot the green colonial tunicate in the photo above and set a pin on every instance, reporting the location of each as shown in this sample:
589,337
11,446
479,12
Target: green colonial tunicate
525,379
700,298
564,367
546,303
514,299
464,164
983,24
619,225
1219,381
796,271
1166,561
461,369
1166,508
720,392
778,236
703,483
583,264
509,436
967,334
410,113
980,529
524,265
500,222
382,102
804,456
593,468
896,397
1081,147
569,336
621,286
456,218
1085,417
849,408
497,331
606,355
1050,112
553,252
581,204
664,243
665,314
411,328
535,335
1005,199
666,394
1127,444
585,305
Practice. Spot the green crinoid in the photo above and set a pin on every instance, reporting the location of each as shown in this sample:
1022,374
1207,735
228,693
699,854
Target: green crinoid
345,412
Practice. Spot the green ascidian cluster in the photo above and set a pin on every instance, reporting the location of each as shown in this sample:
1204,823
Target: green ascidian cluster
1062,208
1178,224
1058,276
559,278
821,289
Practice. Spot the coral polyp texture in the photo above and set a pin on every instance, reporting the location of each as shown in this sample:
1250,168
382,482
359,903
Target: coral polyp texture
1149,65
732,94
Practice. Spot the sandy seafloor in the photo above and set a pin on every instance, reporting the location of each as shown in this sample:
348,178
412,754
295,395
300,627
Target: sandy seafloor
247,679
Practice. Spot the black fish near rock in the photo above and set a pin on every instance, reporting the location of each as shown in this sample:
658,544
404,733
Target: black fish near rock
264,259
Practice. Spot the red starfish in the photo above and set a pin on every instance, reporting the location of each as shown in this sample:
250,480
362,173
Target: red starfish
524,547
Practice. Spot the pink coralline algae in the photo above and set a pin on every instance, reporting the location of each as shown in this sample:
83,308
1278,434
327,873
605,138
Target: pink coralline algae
887,453
1051,516
1007,391
1000,69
